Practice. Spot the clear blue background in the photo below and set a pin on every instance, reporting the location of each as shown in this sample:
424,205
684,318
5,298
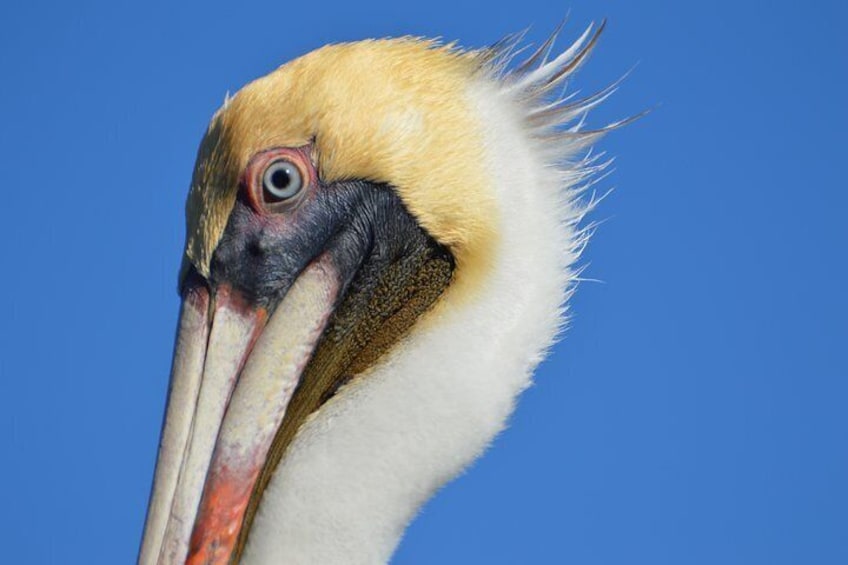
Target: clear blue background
694,414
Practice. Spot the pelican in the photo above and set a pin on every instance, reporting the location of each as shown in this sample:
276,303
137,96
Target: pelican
381,240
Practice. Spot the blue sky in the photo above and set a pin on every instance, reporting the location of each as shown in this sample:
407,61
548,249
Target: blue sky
694,413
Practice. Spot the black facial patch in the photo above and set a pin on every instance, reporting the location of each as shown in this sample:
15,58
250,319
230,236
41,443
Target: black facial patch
362,226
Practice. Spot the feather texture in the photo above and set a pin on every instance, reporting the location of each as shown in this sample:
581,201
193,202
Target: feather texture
362,466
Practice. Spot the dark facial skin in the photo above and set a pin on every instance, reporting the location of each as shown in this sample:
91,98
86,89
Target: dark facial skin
362,226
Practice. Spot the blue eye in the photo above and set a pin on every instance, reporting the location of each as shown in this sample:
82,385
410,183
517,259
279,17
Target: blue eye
282,180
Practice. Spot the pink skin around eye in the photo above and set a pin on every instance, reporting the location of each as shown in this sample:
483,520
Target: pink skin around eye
255,170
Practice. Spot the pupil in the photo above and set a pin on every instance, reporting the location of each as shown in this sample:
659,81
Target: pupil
280,178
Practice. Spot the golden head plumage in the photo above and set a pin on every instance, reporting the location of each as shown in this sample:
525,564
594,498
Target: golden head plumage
394,111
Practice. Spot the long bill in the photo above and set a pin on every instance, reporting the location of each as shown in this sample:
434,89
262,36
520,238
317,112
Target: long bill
234,372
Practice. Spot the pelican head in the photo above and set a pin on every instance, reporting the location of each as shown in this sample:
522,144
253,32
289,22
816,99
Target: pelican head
380,243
